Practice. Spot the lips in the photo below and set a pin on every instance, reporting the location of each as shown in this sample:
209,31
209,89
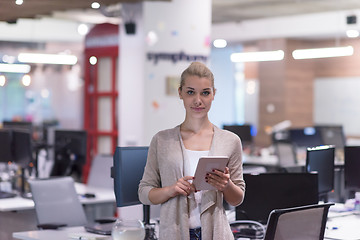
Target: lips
197,109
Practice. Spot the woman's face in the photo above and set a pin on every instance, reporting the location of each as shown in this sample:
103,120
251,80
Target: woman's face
197,94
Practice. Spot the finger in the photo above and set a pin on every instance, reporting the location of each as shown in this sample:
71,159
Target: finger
187,178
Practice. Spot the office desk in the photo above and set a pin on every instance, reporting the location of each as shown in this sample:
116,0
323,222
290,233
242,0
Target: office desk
60,234
18,214
101,196
343,226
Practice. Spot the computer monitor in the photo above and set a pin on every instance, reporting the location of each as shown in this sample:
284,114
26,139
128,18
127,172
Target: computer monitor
22,147
5,146
332,135
351,167
268,191
70,153
305,137
321,160
18,125
129,164
245,132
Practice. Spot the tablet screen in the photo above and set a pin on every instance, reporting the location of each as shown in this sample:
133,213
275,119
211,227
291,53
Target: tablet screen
206,165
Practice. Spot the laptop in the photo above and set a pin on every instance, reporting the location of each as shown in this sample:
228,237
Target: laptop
99,228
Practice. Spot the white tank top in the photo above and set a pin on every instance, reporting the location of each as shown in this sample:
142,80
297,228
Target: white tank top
194,217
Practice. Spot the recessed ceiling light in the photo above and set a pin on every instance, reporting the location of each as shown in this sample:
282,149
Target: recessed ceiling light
2,80
26,80
83,29
95,5
93,60
352,33
19,2
220,43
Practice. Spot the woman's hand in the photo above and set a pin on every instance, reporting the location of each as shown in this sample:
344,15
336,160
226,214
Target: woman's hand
218,179
182,187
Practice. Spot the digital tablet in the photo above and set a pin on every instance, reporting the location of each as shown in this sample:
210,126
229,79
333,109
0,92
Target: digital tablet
206,165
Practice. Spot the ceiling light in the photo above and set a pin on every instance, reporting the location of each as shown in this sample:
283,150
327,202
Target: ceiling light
83,29
2,80
15,68
257,56
47,58
220,43
93,60
26,80
19,2
352,33
95,5
323,52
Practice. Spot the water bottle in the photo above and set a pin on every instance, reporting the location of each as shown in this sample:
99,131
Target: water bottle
357,201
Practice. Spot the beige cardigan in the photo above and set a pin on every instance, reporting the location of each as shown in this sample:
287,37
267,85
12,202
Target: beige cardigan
165,165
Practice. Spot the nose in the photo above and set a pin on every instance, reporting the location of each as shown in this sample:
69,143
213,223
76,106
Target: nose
197,100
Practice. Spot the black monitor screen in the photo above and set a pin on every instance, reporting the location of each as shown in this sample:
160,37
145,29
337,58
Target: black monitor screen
268,191
305,137
243,131
70,152
22,147
321,160
5,146
352,166
332,135
129,164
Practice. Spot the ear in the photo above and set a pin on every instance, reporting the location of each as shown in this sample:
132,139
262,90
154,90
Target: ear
179,91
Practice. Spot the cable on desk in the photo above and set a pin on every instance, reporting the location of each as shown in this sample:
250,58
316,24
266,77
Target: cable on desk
247,229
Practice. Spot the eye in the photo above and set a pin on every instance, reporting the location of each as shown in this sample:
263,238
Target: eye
190,92
206,93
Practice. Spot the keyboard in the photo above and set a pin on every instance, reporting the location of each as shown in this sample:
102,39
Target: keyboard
7,195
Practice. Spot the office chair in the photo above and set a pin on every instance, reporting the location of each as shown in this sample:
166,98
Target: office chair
298,223
286,154
57,203
100,172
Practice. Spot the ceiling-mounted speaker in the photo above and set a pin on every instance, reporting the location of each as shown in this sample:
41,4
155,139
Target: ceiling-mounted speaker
351,19
130,28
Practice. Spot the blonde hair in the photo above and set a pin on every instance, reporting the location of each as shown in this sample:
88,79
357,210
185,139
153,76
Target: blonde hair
197,69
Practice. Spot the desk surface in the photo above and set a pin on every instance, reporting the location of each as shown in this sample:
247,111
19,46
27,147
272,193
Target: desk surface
60,234
102,195
343,225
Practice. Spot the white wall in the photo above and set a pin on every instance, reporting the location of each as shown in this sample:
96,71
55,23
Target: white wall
337,101
183,26
131,80
145,108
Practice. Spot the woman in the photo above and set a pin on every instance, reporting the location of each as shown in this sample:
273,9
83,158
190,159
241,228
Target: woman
173,155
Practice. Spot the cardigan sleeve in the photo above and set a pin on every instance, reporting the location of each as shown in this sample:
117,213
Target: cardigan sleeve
236,166
151,176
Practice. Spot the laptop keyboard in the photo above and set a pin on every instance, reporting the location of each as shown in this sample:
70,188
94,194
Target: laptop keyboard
7,195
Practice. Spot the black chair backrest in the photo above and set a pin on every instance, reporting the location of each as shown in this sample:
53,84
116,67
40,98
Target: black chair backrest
304,222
